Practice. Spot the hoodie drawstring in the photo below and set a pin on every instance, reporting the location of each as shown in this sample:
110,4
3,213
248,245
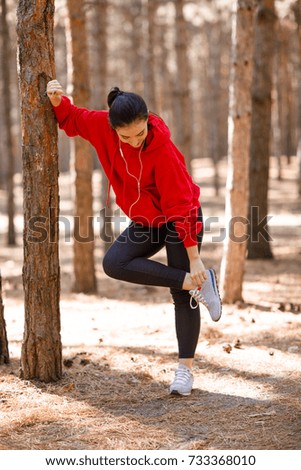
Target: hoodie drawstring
138,179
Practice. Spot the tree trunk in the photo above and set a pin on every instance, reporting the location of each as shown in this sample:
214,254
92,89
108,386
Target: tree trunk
259,240
297,13
278,126
99,48
214,34
237,189
41,356
84,269
99,93
164,94
286,92
136,52
4,353
149,68
281,114
182,86
8,138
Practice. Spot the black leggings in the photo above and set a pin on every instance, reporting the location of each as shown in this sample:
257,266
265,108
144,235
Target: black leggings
128,260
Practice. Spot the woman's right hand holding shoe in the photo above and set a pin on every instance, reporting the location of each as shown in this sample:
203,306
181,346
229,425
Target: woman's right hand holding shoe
54,92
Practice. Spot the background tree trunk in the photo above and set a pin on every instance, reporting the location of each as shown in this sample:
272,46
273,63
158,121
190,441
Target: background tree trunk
182,86
134,13
7,109
164,90
237,190
41,356
150,94
264,45
84,269
213,89
99,92
281,106
297,13
4,353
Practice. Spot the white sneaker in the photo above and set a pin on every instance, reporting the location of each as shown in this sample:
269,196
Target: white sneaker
183,381
208,295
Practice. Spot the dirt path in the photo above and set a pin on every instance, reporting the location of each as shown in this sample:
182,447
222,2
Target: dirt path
119,357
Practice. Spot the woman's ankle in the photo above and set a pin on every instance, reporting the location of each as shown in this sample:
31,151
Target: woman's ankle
187,362
188,283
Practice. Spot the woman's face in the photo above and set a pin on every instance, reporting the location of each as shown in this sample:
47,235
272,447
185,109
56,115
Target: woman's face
133,134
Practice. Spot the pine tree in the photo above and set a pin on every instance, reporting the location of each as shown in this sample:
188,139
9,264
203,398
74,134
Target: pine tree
4,354
264,47
237,191
84,269
41,356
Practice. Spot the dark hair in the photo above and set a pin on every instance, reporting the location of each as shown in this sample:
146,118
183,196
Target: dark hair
125,108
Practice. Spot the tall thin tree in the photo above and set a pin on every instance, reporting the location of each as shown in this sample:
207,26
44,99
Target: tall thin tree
83,260
41,356
264,46
182,85
149,68
99,91
213,91
133,13
7,109
237,190
4,353
296,7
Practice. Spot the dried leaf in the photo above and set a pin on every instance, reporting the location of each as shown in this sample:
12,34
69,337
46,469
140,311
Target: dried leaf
227,348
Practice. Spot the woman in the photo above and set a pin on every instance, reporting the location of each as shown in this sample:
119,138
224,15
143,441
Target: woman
153,188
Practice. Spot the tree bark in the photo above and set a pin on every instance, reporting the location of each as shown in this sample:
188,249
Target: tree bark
281,109
4,353
149,68
165,85
41,356
182,86
259,240
7,108
213,88
99,79
237,189
84,269
99,47
297,13
134,13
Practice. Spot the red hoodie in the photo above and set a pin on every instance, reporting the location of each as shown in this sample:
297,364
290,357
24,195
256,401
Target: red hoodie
152,186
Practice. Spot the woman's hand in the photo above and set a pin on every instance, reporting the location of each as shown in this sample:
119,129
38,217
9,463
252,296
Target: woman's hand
54,92
197,271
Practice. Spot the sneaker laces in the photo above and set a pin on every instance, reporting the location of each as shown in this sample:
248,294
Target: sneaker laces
198,297
182,375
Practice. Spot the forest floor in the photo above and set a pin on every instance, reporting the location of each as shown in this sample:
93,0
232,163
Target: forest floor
119,350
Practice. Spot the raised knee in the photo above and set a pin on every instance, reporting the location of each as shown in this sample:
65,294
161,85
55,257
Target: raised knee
110,265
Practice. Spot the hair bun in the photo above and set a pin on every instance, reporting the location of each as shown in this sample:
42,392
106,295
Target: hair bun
114,92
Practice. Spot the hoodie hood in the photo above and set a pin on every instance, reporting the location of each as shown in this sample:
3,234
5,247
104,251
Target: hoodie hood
158,132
